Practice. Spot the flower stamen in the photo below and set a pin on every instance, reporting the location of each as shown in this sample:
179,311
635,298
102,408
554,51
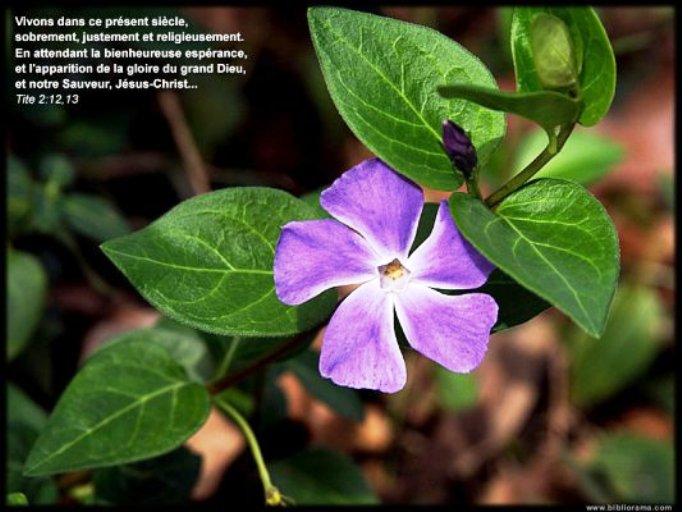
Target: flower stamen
393,275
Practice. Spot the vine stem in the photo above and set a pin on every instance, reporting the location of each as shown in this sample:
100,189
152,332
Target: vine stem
472,185
233,378
532,168
272,494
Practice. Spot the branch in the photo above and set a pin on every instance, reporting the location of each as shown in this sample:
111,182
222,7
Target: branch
193,163
231,379
532,168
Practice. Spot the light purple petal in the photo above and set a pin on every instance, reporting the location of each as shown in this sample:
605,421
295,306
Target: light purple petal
315,255
378,203
446,260
359,348
451,330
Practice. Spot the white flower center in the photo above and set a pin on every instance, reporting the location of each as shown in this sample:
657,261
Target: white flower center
393,276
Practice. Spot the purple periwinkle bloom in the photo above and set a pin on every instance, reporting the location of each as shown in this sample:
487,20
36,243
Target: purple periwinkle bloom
377,212
459,148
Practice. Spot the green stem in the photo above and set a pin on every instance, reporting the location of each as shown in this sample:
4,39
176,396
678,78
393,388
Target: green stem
472,185
233,378
226,362
272,494
532,168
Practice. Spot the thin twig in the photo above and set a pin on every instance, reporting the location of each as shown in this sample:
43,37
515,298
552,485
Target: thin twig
532,168
272,494
559,414
231,379
194,164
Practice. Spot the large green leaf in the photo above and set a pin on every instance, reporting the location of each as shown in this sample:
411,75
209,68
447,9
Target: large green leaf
629,344
208,263
344,401
165,480
516,304
187,348
553,237
382,75
584,157
594,56
638,469
321,477
131,401
94,217
26,289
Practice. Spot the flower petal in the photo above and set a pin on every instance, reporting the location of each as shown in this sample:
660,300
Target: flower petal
452,330
380,204
315,255
446,260
359,348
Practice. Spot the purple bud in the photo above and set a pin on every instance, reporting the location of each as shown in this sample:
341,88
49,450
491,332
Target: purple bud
459,148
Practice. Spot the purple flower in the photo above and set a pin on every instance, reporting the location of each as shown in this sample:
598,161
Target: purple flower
377,213
459,148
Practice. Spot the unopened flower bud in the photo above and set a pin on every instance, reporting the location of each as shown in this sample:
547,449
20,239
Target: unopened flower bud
554,55
459,148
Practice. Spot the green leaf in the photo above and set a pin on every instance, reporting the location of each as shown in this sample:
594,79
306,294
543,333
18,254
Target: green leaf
57,169
165,480
208,263
554,238
456,391
382,75
639,469
516,304
20,437
585,157
313,199
546,108
245,351
344,401
553,52
274,404
23,410
26,290
131,401
321,477
593,53
19,195
188,349
47,208
94,217
25,420
661,391
599,369
17,499
666,188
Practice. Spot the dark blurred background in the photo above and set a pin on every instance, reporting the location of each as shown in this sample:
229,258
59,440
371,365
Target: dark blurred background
551,416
